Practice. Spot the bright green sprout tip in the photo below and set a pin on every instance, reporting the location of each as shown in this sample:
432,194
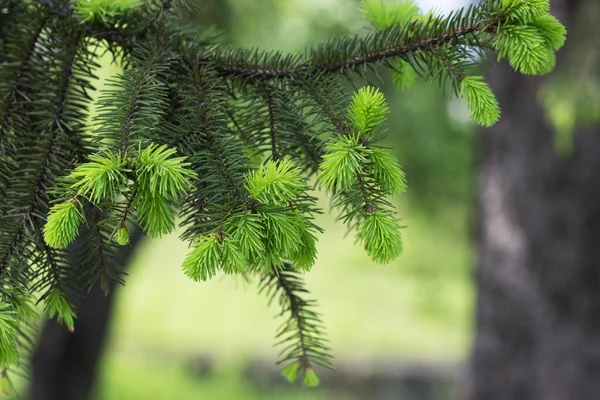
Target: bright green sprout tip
291,372
480,100
343,158
380,234
311,378
122,235
62,225
367,109
276,182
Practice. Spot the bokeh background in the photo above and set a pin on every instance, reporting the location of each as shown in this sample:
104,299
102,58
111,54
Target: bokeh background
404,328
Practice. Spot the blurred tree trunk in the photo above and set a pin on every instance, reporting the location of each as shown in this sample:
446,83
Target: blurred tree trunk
538,307
64,366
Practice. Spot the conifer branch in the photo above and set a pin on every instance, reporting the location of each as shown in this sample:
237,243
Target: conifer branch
310,68
301,334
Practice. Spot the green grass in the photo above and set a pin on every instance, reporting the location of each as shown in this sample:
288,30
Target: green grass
151,377
417,307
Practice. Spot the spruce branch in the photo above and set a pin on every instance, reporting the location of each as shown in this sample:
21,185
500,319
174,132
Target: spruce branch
301,335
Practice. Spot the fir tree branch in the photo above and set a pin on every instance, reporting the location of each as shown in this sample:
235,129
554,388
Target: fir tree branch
227,62
302,333
310,69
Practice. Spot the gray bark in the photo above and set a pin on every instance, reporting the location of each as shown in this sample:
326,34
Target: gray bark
538,267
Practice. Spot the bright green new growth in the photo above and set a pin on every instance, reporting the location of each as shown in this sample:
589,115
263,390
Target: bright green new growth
154,214
526,49
103,10
306,254
249,233
367,109
343,158
100,178
480,100
386,170
202,262
158,173
56,305
63,224
152,180
276,183
5,384
274,232
291,371
311,378
360,174
282,237
211,253
530,36
122,235
553,32
525,11
380,234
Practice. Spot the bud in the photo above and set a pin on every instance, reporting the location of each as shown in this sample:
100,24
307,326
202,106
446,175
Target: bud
311,379
122,235
291,372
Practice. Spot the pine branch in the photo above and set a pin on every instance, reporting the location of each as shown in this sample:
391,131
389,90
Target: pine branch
364,55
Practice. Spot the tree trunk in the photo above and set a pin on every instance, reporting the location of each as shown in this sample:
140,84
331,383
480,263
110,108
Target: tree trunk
538,276
64,366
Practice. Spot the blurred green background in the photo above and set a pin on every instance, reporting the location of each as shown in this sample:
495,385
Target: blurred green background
215,341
